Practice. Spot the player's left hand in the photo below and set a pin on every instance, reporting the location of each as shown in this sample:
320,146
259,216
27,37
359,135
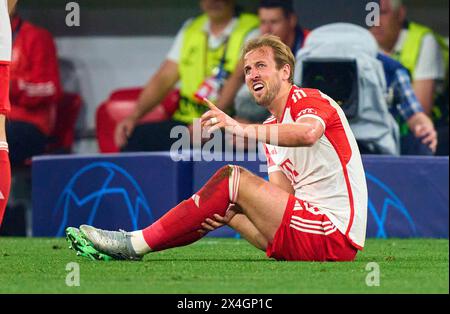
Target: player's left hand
218,221
215,119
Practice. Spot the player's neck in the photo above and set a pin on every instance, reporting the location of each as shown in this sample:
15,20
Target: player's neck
279,103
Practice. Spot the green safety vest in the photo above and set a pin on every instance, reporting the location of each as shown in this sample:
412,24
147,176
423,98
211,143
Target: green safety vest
409,55
197,62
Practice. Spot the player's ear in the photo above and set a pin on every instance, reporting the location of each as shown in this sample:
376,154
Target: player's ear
286,71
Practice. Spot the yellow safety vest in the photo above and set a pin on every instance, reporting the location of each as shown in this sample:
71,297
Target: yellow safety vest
411,48
409,56
197,62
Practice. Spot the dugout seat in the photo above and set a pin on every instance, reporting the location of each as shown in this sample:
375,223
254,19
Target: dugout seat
119,105
67,111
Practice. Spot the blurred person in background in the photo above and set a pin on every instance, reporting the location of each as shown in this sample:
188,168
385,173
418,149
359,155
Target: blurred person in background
425,55
205,51
420,137
35,89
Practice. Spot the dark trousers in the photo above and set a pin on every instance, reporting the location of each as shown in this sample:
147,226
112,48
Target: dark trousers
442,148
411,145
152,137
25,141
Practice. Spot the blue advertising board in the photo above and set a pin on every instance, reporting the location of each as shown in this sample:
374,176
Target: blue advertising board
127,191
408,196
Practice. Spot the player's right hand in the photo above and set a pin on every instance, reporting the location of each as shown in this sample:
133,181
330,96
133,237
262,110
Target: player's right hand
123,131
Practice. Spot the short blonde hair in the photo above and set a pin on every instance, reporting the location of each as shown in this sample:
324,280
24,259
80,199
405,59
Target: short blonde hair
282,53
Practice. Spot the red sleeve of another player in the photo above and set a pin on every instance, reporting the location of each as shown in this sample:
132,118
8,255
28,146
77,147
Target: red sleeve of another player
5,106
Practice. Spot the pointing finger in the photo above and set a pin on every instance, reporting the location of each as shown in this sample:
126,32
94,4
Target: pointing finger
210,104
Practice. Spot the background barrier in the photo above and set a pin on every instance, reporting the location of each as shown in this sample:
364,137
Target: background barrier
408,196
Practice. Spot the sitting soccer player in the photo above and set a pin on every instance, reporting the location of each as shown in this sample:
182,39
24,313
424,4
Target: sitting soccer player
313,209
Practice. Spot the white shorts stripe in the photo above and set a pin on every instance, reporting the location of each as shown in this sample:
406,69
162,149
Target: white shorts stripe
323,223
300,224
313,231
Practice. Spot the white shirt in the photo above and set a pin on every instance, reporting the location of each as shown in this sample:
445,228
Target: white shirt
430,64
329,176
5,33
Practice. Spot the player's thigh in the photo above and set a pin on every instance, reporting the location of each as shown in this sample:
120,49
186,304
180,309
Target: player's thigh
262,202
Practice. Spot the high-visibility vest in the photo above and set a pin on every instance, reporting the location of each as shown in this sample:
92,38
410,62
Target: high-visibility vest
197,61
409,56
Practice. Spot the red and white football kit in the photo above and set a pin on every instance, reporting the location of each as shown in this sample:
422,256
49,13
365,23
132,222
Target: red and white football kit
326,219
5,57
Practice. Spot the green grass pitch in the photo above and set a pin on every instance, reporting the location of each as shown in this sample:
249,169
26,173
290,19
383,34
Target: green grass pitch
213,265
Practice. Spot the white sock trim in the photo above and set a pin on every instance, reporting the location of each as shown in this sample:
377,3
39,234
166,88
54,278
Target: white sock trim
138,243
233,183
4,146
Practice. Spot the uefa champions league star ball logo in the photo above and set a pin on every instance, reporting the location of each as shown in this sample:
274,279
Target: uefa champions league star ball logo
388,211
102,189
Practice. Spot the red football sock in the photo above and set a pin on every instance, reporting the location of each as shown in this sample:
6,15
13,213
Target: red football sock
5,178
179,226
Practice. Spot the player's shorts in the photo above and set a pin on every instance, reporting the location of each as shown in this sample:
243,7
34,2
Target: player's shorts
307,236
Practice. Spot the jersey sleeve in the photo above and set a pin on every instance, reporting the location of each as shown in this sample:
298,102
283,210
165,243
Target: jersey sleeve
314,106
40,85
430,65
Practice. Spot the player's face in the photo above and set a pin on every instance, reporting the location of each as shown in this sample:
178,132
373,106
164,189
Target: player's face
273,21
262,77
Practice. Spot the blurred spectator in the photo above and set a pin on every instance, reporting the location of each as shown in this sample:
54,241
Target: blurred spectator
34,90
405,107
328,64
340,60
206,50
424,54
277,17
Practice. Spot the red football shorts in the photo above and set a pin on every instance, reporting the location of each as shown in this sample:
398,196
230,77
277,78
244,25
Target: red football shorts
307,236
